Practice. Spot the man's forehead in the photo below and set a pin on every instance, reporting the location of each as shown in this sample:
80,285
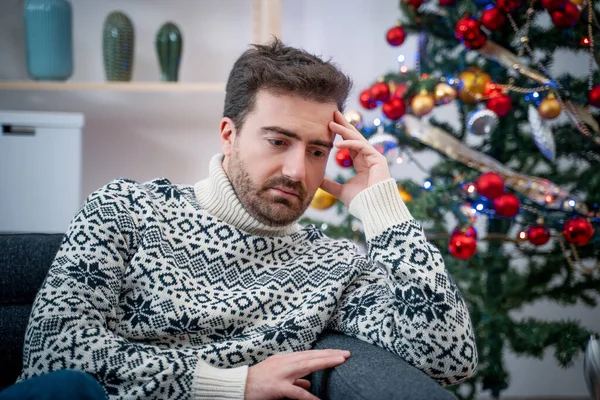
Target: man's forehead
305,118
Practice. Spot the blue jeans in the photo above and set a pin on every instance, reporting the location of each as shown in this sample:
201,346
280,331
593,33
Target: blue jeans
57,385
371,373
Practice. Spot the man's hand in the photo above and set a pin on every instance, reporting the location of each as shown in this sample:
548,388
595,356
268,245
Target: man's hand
371,166
280,375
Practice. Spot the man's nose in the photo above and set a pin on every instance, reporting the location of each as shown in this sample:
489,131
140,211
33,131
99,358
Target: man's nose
294,165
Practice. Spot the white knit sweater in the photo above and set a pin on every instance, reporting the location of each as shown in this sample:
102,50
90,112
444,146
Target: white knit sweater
171,291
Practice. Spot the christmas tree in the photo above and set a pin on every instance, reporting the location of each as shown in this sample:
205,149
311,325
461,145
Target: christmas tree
523,162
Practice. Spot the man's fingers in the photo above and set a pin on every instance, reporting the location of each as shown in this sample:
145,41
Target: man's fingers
303,383
331,187
317,364
313,354
345,132
340,119
296,392
356,145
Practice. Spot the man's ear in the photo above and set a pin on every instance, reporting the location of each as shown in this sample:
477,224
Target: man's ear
228,135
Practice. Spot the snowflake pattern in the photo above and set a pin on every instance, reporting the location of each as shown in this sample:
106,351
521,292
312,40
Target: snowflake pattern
138,311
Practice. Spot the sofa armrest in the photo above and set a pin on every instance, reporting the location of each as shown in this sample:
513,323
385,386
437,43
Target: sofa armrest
371,373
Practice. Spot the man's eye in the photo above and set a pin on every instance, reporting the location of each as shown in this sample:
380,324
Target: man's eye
318,153
276,142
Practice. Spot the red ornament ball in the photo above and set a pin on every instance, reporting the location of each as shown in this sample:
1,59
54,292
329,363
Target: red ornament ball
566,17
491,89
462,246
394,108
395,36
493,18
578,230
469,231
447,3
594,96
380,91
501,104
552,5
476,43
415,4
507,205
366,99
538,234
467,28
490,185
400,91
585,41
508,5
343,158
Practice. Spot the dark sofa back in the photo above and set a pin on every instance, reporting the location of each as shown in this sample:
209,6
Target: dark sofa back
24,262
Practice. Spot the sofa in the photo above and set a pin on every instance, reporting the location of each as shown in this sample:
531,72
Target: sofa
24,262
370,372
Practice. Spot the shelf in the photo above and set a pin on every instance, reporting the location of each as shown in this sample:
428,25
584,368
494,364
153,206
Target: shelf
115,86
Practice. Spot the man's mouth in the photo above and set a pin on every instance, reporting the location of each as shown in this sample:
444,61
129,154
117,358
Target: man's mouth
285,191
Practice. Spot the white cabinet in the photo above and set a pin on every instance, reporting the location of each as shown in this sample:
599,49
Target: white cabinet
40,170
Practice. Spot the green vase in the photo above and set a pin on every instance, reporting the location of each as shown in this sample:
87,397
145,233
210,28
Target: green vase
169,45
118,41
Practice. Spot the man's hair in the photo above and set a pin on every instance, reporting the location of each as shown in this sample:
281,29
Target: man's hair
281,70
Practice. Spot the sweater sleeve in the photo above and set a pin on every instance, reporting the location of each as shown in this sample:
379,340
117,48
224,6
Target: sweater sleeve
403,298
74,317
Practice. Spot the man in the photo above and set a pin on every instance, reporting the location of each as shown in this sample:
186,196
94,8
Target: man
214,291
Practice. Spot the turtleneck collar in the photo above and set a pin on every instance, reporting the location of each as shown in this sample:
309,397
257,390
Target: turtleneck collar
216,195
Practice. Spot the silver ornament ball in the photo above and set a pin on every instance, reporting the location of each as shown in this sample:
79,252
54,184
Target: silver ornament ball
591,367
482,122
386,144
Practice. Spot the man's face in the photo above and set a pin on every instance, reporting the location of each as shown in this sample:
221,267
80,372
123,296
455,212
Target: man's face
277,162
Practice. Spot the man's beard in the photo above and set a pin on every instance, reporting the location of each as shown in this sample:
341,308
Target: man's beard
259,201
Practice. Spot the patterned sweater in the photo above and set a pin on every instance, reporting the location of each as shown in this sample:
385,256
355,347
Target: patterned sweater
173,291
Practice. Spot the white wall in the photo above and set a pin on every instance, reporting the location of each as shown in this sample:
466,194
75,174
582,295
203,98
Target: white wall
147,135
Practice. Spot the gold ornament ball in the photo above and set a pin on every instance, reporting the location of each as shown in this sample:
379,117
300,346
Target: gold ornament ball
444,93
472,84
578,3
549,108
406,197
322,200
422,104
353,117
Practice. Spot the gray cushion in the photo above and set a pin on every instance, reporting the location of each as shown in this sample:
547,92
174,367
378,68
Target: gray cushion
24,263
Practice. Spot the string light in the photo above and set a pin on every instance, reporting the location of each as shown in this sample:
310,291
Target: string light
401,58
377,122
427,185
404,69
471,188
549,198
399,160
324,226
572,203
479,207
536,95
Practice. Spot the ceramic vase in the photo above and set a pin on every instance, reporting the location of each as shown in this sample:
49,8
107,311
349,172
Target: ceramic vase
118,41
49,39
169,46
